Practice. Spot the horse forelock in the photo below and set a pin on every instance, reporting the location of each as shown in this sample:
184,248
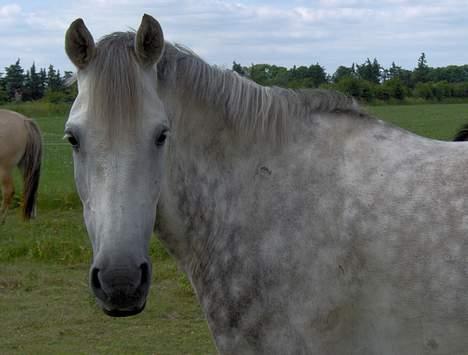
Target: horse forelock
115,85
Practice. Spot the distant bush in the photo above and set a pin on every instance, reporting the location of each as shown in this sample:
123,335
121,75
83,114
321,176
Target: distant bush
392,88
59,97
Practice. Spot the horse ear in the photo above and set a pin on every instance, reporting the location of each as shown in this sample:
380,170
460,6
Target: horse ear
149,41
79,44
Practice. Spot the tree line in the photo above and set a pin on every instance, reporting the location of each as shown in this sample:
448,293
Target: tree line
368,81
16,84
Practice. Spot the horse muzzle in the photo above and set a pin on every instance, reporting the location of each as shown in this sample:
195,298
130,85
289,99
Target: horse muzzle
121,291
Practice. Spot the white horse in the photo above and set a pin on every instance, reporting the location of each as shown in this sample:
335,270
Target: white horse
305,225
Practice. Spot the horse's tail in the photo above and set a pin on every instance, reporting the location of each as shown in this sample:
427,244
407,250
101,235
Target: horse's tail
462,134
30,165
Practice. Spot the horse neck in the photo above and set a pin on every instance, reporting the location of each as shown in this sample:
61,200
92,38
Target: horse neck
207,167
198,157
209,170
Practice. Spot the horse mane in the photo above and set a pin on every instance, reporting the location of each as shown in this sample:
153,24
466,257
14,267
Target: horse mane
249,107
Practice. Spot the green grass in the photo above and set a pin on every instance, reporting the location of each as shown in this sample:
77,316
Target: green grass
47,309
436,121
45,304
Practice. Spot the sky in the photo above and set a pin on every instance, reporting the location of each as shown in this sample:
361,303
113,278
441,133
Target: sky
286,33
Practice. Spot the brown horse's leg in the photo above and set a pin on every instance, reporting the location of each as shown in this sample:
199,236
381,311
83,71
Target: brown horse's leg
8,192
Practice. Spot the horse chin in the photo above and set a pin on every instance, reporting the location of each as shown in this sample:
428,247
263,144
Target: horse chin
124,312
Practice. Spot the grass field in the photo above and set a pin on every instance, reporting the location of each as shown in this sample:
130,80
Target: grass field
45,305
436,121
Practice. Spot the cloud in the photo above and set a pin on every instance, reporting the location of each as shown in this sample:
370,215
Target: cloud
45,22
9,10
331,32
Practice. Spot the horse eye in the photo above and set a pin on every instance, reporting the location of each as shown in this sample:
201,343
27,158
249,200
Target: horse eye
162,137
72,140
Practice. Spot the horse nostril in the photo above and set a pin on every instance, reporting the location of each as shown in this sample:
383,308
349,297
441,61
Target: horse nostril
145,272
95,283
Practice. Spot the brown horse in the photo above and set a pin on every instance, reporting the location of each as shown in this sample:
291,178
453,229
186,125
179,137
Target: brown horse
20,145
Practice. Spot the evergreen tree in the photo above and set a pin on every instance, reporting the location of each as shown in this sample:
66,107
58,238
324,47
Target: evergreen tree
54,81
370,71
43,80
14,80
3,92
394,71
422,71
238,68
27,86
34,88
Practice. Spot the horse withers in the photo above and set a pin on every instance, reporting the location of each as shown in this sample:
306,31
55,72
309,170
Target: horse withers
20,146
305,225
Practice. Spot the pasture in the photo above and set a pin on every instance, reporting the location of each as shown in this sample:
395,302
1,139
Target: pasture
45,304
